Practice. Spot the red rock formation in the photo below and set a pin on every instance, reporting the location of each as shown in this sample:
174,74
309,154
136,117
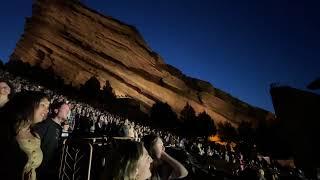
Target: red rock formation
78,43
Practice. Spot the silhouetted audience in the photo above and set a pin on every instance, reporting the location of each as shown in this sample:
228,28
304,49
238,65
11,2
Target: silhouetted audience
83,120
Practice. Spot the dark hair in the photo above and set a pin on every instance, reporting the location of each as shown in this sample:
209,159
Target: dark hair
149,141
123,131
122,160
20,109
55,105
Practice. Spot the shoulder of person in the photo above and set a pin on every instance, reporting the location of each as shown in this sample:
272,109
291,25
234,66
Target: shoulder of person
37,125
164,170
45,123
41,127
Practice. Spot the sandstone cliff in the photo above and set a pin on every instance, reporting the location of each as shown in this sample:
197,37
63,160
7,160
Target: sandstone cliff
78,43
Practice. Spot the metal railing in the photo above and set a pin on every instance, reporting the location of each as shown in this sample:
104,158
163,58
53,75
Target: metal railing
82,159
76,160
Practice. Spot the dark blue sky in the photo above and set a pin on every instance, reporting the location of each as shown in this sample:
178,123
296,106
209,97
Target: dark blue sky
238,46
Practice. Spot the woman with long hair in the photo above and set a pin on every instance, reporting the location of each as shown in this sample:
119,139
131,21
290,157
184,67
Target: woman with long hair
23,111
163,166
128,160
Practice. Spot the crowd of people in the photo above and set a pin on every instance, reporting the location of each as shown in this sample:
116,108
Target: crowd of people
36,118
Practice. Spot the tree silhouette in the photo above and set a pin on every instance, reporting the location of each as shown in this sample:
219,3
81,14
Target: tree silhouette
246,132
91,88
108,95
188,113
206,124
188,118
52,79
163,116
227,132
19,68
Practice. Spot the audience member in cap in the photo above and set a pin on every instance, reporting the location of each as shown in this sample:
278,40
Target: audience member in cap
163,166
128,160
23,154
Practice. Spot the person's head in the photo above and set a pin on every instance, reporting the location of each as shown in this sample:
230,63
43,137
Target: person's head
42,110
5,88
154,145
6,92
60,110
260,172
129,160
124,131
26,108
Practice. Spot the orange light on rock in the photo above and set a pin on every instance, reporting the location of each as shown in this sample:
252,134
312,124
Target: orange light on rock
216,139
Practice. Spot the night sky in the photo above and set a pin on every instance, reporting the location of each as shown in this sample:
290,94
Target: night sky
240,47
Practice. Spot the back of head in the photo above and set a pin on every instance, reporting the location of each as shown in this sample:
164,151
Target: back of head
124,131
148,142
56,105
122,161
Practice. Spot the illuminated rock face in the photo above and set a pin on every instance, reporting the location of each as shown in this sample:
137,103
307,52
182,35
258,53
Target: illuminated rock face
78,43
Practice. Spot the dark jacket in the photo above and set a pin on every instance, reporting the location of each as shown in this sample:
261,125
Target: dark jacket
13,158
50,134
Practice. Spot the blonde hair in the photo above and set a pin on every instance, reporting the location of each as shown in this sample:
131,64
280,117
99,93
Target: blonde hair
122,161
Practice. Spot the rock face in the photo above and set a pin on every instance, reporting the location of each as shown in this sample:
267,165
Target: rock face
78,43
